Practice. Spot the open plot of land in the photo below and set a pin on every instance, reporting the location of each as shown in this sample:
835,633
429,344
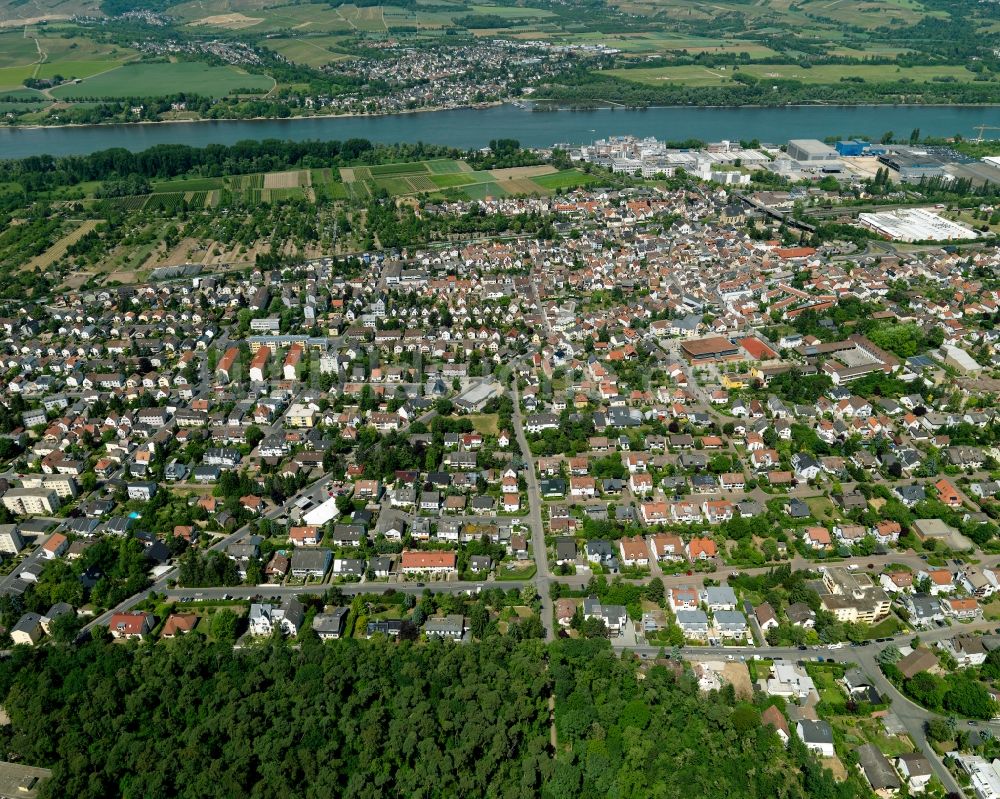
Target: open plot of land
486,424
165,79
286,180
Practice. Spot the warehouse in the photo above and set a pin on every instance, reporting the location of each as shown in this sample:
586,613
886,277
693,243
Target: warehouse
707,350
915,224
811,150
912,165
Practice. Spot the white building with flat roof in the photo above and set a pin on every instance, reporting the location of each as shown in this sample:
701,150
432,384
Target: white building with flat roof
915,224
984,775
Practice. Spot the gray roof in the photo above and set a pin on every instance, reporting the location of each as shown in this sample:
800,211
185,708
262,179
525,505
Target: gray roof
816,731
331,622
691,617
730,619
877,768
311,559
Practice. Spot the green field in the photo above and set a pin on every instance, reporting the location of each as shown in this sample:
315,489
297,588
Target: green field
444,166
450,181
188,184
480,191
568,178
825,74
16,50
140,80
311,52
399,169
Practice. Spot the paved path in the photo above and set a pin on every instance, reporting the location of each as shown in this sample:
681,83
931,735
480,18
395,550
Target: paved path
543,578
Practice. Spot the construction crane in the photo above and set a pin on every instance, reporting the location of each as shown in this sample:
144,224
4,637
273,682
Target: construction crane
981,128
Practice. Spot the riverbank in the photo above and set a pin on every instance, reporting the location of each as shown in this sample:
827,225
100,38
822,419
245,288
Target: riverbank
470,128
348,115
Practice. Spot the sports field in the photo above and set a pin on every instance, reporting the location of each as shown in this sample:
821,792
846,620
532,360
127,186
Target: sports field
160,79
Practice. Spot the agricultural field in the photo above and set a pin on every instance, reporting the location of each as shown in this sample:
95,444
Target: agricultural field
693,75
36,52
58,250
314,36
457,179
313,51
164,79
189,184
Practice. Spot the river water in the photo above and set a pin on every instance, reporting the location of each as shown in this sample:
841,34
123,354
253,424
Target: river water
467,128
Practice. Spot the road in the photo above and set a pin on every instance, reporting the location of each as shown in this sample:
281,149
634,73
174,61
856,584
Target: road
543,578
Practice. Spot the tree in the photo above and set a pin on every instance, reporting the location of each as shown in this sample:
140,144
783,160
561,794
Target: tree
967,697
65,627
479,618
594,627
224,625
939,730
926,689
890,654
254,435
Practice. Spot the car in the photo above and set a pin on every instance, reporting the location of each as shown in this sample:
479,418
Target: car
871,565
971,723
730,657
803,647
689,573
923,557
420,585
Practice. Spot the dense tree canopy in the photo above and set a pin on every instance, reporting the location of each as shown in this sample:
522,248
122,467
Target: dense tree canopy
374,719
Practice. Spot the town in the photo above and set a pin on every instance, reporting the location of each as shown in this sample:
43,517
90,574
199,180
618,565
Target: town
679,424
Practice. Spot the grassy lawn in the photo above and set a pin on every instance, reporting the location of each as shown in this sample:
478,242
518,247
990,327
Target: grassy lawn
516,574
992,610
888,627
819,507
485,423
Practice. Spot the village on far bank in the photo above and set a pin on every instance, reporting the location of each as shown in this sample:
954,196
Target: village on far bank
675,423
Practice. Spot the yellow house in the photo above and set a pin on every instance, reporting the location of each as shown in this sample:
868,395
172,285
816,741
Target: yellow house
733,381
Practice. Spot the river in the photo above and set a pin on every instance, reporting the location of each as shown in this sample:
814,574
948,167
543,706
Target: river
467,128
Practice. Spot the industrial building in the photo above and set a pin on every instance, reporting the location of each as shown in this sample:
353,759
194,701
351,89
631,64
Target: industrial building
810,151
915,224
912,164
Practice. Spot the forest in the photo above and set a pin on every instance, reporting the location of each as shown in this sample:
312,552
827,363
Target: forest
371,719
